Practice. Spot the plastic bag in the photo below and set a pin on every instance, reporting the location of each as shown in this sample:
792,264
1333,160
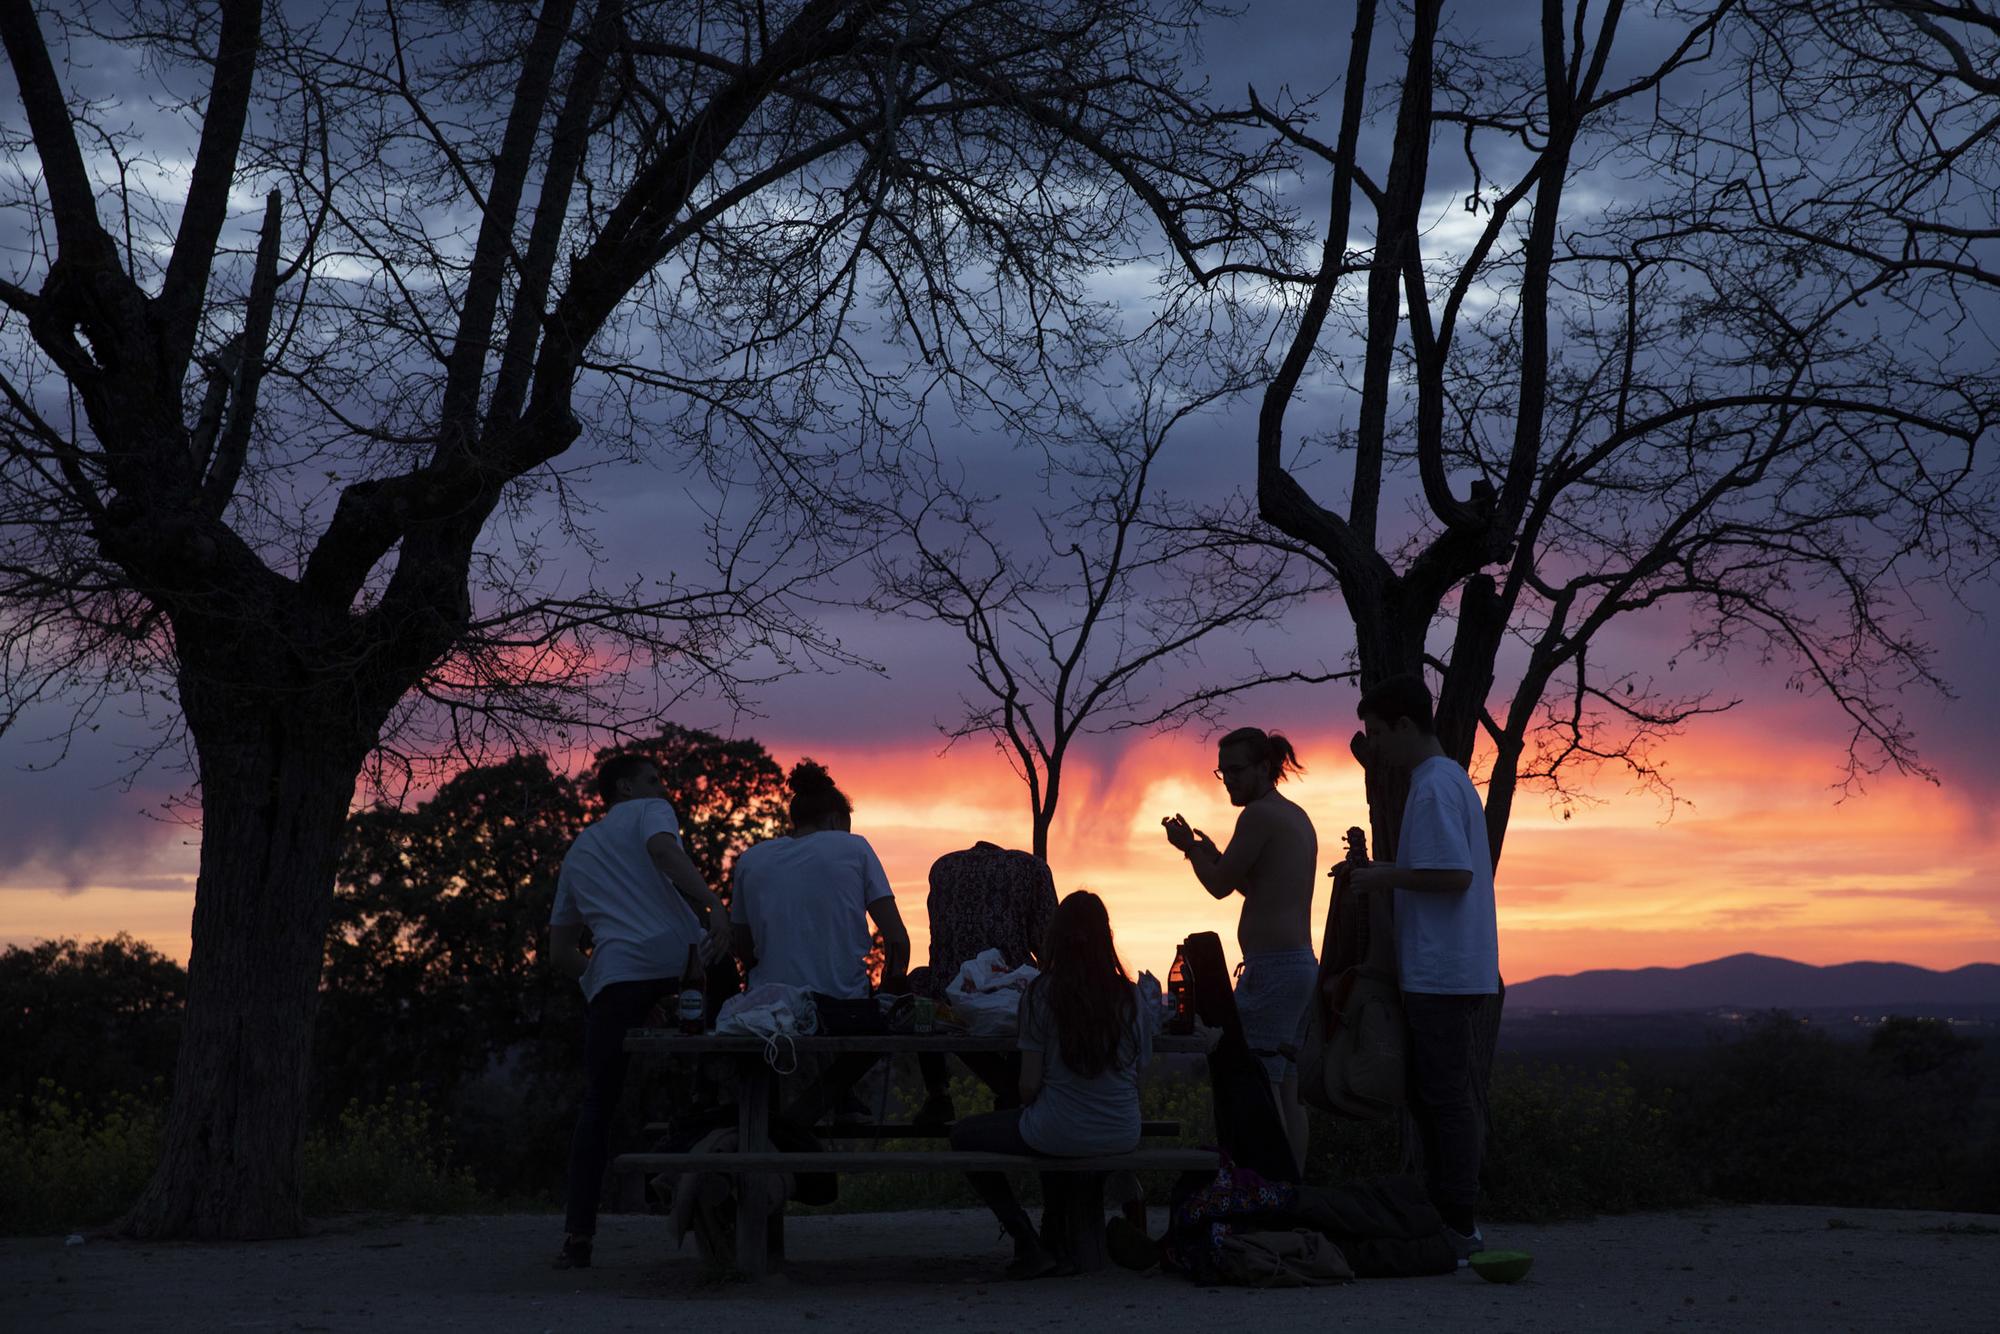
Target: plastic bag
1152,1005
768,1010
988,971
986,994
989,1013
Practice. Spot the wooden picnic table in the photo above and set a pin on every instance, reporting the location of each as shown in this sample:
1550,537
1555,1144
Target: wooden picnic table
757,1237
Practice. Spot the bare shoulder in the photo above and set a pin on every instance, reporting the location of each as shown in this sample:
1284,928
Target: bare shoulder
1274,808
1261,814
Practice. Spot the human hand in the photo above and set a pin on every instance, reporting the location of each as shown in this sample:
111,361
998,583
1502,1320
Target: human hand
1372,876
1178,833
715,944
1210,1038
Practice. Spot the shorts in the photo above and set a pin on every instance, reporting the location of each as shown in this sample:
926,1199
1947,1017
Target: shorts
1271,994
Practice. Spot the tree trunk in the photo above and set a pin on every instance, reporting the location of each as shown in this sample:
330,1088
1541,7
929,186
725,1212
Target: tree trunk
1482,623
275,797
1042,800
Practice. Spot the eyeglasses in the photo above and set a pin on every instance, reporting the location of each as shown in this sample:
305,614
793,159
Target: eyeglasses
1229,771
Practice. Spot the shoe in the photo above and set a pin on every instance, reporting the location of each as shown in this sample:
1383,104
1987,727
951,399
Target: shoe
1128,1245
937,1113
1465,1244
575,1253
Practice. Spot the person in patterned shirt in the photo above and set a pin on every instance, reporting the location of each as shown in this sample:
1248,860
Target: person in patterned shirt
984,897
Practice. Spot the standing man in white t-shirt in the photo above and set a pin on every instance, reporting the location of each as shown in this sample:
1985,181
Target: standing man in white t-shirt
629,880
1447,940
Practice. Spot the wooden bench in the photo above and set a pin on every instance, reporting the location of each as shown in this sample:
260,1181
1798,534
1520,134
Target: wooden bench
1073,1207
924,1160
1147,1130
1075,1187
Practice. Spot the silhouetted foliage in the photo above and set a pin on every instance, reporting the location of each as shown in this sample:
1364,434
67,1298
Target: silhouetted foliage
93,1018
1787,1115
431,957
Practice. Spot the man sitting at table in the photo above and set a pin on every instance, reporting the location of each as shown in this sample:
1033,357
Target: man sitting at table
615,879
803,905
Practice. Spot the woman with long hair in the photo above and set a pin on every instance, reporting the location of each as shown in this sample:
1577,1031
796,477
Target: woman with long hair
1084,1040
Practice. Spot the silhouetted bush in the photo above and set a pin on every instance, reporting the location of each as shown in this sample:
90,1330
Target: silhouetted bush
1566,1143
1787,1115
1338,1149
68,1163
394,1156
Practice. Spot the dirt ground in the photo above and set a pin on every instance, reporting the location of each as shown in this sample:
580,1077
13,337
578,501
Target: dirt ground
1725,1268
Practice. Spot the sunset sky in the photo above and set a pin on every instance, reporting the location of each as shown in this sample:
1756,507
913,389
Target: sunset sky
1762,855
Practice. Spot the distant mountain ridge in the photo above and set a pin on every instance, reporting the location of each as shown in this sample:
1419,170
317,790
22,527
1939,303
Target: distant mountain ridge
1757,982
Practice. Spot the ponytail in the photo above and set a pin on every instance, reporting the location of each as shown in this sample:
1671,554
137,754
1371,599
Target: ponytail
1269,749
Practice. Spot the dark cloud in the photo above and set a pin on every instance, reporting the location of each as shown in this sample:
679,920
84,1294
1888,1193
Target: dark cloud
79,822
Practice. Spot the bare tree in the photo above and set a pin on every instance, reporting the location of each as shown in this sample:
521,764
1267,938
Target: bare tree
1592,409
304,480
1075,631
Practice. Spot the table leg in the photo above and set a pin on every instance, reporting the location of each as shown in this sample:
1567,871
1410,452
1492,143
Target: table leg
753,1133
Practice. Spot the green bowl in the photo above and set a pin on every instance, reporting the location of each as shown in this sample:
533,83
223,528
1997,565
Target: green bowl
1502,1266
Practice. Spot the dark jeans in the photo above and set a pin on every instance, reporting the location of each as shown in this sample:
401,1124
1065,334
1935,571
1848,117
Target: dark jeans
833,1085
996,1132
616,1007
999,1071
1442,1101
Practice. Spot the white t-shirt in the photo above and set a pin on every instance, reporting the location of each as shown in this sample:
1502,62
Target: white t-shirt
805,900
640,926
1073,1116
1446,944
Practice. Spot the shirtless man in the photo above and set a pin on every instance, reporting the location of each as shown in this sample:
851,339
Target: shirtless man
1272,860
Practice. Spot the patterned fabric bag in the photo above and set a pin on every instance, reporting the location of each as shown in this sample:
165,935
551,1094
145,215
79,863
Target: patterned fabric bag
1207,1210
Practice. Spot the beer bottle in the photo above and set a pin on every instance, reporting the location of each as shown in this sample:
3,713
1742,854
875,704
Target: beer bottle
694,994
1180,1003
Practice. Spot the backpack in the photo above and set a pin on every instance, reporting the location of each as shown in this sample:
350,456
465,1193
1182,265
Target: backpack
1385,1226
1351,1063
1299,1258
